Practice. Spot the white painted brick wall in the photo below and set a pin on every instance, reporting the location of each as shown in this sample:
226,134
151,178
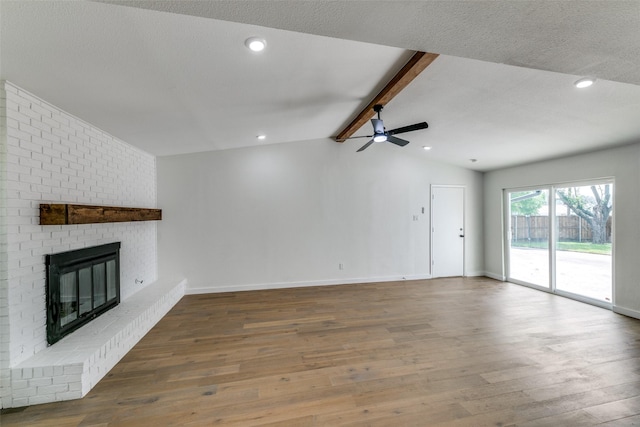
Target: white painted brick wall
5,378
54,157
73,366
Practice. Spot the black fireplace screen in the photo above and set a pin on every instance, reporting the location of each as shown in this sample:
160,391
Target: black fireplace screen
81,285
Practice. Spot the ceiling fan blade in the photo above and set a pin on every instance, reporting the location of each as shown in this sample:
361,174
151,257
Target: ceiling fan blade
365,146
409,128
397,141
354,137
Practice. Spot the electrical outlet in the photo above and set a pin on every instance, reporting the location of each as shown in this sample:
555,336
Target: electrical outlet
341,266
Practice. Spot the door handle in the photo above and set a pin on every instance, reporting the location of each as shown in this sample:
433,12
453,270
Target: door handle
462,235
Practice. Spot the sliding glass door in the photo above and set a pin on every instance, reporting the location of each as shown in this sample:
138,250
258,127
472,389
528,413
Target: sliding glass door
529,236
559,239
584,262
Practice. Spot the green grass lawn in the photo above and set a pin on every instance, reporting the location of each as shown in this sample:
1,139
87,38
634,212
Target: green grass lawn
586,247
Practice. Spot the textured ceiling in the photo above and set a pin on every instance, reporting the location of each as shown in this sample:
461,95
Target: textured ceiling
598,38
174,76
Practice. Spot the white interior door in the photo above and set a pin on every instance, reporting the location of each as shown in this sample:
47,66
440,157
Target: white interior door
447,231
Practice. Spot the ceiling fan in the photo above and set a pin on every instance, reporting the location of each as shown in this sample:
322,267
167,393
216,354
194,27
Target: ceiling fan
380,134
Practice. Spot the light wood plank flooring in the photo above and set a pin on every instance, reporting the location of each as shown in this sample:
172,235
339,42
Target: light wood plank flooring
442,352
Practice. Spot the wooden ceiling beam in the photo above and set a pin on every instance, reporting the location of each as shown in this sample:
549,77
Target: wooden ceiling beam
418,62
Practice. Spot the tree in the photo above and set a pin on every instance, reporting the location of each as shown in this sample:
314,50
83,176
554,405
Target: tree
595,210
527,202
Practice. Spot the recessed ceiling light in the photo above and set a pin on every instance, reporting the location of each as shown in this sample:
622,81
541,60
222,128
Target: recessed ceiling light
426,147
585,82
262,137
255,44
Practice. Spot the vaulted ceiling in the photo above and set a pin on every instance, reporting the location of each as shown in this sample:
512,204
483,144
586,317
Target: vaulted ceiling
175,77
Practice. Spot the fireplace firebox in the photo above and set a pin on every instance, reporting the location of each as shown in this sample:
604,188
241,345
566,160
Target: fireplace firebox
81,285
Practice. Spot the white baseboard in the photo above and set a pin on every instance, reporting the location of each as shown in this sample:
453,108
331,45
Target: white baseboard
626,311
476,274
495,276
283,285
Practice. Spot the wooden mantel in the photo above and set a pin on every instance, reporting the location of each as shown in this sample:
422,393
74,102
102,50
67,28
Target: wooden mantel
62,214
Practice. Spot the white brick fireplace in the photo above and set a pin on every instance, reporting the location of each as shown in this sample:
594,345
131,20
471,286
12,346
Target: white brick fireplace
49,156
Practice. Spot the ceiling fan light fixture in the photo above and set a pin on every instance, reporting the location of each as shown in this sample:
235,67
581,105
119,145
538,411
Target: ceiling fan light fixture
584,82
381,134
255,44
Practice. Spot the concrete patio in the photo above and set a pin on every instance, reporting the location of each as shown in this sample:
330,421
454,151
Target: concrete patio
580,273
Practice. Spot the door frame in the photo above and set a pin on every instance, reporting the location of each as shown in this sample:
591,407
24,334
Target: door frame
464,225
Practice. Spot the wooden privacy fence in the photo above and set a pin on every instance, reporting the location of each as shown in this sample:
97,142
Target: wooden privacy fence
571,228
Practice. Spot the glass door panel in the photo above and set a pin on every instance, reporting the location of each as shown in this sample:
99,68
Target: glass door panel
68,298
84,276
583,257
529,236
111,280
99,285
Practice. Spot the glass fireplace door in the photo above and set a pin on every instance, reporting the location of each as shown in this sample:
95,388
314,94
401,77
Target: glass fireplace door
68,298
81,285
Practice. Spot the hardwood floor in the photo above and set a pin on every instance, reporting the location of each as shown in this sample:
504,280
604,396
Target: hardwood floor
442,352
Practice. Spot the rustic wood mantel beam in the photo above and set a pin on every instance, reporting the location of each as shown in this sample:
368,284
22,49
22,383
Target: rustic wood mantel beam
418,62
64,214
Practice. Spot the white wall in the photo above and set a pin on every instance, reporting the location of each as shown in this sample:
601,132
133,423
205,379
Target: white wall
621,163
51,156
289,214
